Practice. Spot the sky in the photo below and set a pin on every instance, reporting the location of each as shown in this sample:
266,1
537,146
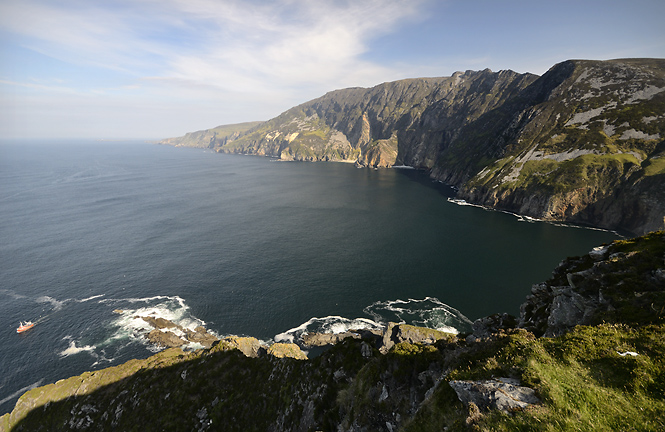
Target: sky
151,69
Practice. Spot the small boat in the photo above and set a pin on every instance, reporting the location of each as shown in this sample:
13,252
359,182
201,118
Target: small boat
24,326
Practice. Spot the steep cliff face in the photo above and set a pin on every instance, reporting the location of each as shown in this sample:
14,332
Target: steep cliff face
584,143
403,122
587,145
209,138
623,282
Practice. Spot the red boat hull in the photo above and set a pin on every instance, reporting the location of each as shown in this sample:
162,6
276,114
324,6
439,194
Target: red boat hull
23,328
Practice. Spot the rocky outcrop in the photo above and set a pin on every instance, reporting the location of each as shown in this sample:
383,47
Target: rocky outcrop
249,346
165,339
167,334
609,284
290,350
201,336
326,339
323,339
491,326
504,394
405,333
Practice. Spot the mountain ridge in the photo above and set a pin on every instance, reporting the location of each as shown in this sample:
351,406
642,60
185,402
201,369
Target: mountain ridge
583,143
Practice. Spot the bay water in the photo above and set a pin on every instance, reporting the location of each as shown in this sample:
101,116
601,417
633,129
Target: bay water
93,234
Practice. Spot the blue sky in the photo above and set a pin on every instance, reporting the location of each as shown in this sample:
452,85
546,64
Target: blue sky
161,68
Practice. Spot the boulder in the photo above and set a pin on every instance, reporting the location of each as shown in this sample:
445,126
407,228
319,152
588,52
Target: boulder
567,310
159,322
281,350
504,394
598,253
165,339
249,346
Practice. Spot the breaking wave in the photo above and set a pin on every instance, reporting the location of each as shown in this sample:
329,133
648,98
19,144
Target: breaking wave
429,312
329,324
73,349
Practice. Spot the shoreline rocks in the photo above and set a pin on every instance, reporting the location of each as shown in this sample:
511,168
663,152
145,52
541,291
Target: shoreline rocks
505,394
162,336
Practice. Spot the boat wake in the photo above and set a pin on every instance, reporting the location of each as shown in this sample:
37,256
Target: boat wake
19,392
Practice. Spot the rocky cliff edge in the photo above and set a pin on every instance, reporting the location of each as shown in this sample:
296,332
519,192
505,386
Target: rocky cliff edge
601,369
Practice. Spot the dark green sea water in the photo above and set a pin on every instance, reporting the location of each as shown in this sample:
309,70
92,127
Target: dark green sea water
245,245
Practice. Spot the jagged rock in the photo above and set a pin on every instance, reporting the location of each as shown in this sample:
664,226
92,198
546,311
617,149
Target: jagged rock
504,394
159,322
169,339
201,336
598,253
608,286
165,339
366,350
490,325
568,309
249,346
281,350
659,274
322,339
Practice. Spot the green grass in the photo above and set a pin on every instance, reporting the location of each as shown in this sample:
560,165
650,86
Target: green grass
587,386
654,166
584,384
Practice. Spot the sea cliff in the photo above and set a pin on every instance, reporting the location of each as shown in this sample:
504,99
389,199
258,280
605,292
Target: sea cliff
583,143
585,354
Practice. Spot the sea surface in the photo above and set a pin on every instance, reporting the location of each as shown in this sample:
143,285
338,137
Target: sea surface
93,234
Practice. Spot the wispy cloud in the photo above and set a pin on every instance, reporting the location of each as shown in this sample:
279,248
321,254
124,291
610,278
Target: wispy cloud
239,45
272,53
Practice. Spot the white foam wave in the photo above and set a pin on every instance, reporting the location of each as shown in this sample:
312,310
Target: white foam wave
57,304
73,349
524,218
429,312
329,324
12,294
90,298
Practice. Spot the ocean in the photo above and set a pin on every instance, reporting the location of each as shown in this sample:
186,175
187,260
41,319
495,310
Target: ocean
94,234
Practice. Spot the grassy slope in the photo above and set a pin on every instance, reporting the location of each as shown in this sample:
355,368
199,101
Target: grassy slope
585,385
